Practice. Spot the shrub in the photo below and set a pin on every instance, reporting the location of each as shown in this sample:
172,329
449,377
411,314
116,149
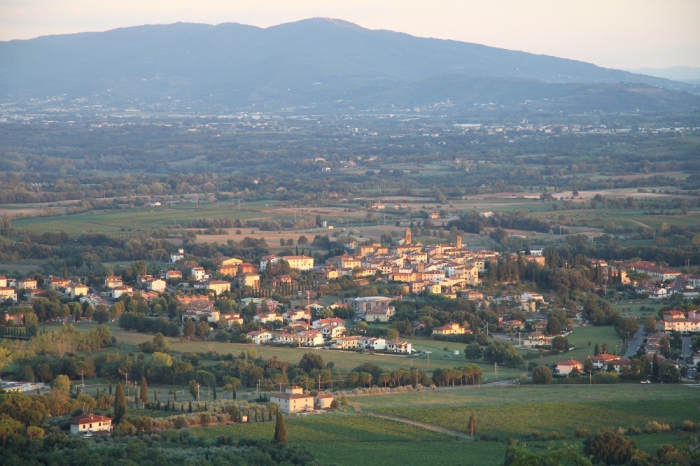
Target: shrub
581,433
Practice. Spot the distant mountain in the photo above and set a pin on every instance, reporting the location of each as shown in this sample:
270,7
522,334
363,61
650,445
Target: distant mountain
684,74
323,63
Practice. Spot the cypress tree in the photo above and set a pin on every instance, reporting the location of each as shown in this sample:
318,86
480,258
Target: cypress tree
213,393
280,430
189,407
144,392
119,404
596,352
472,425
109,387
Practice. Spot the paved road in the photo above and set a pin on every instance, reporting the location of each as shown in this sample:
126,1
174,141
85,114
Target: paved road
687,348
634,343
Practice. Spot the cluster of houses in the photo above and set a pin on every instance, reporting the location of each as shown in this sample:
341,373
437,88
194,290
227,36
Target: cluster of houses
9,287
330,332
439,269
662,283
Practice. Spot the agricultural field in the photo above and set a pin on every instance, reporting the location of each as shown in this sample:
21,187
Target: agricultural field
346,439
529,413
139,219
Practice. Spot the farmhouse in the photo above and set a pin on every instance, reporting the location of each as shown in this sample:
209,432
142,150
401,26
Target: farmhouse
90,423
565,367
293,400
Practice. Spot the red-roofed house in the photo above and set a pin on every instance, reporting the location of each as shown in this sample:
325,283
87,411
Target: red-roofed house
90,423
565,367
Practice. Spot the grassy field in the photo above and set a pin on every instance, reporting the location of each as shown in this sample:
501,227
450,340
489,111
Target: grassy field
346,439
580,339
634,309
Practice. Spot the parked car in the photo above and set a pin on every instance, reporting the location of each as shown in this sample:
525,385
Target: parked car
645,381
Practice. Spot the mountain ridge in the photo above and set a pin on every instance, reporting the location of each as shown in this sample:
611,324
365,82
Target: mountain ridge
317,61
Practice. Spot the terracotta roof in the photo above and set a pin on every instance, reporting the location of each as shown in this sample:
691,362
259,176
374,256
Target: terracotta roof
570,362
87,418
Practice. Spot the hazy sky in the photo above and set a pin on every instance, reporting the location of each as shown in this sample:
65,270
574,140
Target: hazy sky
624,34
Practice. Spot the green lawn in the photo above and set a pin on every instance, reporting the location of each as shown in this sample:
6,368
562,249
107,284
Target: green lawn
580,339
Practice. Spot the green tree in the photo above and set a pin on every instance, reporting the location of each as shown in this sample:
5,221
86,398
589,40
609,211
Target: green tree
194,390
596,351
62,382
34,432
559,344
650,324
473,351
144,392
119,404
626,327
542,375
311,361
31,324
188,328
608,447
280,437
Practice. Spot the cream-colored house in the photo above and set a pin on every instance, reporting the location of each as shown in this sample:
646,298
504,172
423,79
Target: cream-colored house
78,289
293,400
219,286
88,423
7,293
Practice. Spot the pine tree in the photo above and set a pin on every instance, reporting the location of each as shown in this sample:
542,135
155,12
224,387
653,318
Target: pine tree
280,430
119,404
472,425
144,392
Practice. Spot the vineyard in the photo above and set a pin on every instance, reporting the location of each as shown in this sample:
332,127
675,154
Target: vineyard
346,439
